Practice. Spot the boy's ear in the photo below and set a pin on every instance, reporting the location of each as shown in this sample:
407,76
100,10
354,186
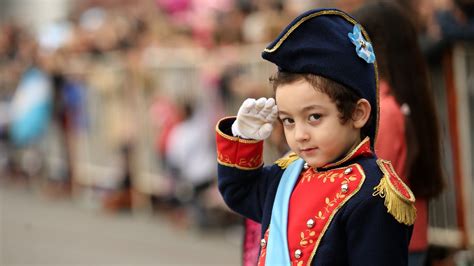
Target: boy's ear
361,113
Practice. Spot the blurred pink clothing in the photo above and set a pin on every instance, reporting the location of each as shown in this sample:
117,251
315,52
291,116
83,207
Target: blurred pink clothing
251,243
165,115
174,6
391,145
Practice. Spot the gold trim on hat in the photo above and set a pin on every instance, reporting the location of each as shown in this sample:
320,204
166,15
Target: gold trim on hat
313,15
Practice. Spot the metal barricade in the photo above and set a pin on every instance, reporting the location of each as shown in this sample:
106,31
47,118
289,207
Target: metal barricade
118,104
451,215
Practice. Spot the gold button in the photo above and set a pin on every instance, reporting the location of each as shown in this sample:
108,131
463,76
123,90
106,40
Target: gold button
298,253
310,223
263,243
344,187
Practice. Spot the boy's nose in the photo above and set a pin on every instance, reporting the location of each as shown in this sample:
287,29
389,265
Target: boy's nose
301,134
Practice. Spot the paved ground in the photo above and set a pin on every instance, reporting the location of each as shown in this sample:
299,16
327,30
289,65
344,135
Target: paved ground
38,231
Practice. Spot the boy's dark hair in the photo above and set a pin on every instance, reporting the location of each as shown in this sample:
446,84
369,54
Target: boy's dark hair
344,98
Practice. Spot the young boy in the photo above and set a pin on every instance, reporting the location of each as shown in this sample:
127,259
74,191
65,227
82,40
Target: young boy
331,201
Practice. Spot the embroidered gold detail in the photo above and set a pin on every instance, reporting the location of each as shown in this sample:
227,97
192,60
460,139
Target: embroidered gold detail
243,163
252,162
286,160
223,159
338,196
320,216
308,175
305,240
350,178
329,176
398,186
310,237
330,203
399,206
341,199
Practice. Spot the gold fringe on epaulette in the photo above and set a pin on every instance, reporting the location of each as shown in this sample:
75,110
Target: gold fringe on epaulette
287,160
403,211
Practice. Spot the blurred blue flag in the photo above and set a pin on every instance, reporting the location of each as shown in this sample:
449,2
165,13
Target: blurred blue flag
31,107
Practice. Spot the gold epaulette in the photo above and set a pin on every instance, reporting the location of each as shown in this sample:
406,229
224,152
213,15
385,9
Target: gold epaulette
399,199
286,160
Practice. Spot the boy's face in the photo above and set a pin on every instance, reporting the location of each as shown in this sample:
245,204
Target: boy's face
312,125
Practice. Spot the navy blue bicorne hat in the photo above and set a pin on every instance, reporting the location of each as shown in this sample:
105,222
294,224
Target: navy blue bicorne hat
329,43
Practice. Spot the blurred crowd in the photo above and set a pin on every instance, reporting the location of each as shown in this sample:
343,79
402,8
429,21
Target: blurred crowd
121,83
147,80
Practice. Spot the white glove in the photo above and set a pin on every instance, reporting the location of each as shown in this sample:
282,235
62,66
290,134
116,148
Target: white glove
255,118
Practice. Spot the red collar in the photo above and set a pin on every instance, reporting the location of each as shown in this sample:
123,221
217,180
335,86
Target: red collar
361,150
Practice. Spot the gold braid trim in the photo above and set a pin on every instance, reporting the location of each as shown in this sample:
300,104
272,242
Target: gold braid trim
286,160
403,210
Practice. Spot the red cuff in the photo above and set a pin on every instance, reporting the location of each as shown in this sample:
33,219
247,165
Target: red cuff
234,151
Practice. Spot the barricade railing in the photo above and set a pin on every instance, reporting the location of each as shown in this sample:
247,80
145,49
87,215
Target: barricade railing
451,215
118,110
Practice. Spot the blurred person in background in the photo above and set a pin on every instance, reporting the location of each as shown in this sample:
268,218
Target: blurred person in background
190,155
408,134
442,23
30,106
126,142
62,115
165,114
69,115
349,5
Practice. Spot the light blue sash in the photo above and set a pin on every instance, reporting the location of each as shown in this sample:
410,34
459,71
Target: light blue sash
277,247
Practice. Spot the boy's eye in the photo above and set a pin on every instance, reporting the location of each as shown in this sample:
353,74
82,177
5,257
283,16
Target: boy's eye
314,117
287,121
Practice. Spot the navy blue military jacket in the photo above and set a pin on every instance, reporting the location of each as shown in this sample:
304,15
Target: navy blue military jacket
355,211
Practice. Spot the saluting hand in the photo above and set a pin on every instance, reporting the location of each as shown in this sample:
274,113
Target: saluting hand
255,119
